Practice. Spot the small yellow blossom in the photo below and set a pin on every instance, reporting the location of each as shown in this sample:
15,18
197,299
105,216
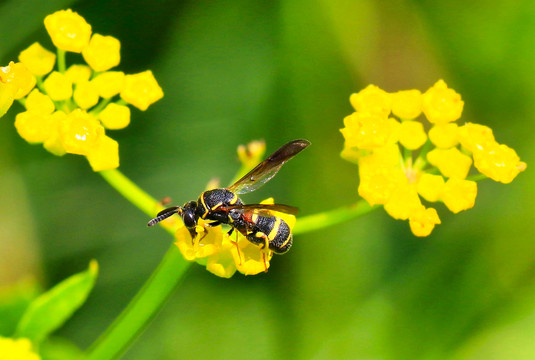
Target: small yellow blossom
422,221
252,154
37,59
444,136
499,162
80,132
372,99
68,30
19,76
38,102
430,187
86,95
412,135
380,175
459,195
441,104
475,136
251,259
366,130
53,144
78,73
222,262
58,86
451,162
17,349
109,83
141,90
102,53
115,116
104,155
34,127
7,92
403,202
407,104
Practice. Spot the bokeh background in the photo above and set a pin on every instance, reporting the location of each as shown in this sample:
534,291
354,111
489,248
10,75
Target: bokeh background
234,71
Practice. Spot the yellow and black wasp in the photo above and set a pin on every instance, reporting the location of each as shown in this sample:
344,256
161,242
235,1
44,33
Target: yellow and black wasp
254,221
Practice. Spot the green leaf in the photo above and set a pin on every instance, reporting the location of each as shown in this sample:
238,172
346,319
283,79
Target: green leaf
14,300
50,310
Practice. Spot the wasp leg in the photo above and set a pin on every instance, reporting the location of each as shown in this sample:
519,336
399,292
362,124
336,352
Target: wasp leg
211,224
235,243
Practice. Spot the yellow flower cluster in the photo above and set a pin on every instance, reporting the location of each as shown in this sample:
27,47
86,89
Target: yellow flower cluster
17,349
223,254
382,135
71,108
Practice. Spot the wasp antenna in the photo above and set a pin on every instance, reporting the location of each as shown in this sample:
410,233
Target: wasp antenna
162,215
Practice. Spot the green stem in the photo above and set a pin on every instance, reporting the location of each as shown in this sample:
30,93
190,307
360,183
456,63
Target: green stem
61,61
477,177
115,340
332,217
97,109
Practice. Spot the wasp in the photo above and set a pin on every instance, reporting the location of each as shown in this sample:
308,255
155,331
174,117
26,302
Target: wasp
254,221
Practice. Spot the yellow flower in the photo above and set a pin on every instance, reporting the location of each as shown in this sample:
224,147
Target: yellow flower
53,144
7,92
141,90
475,137
372,99
252,154
380,175
80,133
19,76
68,30
104,155
407,104
115,116
366,130
403,202
86,95
102,53
78,73
499,162
207,242
37,59
58,86
109,83
396,167
459,195
444,136
422,221
412,135
441,104
450,162
17,349
222,263
34,127
38,102
430,187
251,259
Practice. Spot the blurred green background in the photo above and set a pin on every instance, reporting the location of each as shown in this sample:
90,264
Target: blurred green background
234,71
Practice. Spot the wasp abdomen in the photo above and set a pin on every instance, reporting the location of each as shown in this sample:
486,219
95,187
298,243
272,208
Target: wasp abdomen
276,230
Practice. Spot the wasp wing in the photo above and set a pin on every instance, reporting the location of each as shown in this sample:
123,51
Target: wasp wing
268,168
264,209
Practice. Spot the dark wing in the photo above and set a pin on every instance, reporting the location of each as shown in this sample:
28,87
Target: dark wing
265,208
264,171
